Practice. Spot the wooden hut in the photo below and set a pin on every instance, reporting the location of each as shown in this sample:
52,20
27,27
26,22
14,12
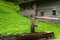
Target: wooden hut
40,8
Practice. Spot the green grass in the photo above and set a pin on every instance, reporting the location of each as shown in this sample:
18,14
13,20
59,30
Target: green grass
13,23
48,26
10,21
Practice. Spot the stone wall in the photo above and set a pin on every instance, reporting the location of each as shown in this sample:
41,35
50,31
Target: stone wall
52,20
28,12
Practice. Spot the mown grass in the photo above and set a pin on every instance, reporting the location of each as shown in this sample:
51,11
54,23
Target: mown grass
13,23
10,21
48,26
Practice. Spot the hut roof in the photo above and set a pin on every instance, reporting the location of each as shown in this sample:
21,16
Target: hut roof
36,1
28,1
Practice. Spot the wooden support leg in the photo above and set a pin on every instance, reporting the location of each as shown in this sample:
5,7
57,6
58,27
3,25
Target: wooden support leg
32,30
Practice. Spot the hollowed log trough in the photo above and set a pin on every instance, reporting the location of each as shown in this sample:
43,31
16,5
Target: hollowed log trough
27,36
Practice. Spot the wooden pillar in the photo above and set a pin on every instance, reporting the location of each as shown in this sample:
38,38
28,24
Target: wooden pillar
32,26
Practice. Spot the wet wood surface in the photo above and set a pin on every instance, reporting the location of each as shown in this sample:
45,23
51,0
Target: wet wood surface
27,36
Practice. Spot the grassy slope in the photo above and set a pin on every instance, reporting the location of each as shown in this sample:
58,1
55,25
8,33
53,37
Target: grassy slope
11,22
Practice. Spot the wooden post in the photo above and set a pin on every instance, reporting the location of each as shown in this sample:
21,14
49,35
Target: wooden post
32,28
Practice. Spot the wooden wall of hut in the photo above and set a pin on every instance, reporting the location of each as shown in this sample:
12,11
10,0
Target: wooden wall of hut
48,7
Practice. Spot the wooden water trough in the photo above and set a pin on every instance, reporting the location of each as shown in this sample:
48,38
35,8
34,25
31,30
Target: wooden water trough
28,36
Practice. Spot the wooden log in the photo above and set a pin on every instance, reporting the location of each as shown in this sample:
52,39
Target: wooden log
28,36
